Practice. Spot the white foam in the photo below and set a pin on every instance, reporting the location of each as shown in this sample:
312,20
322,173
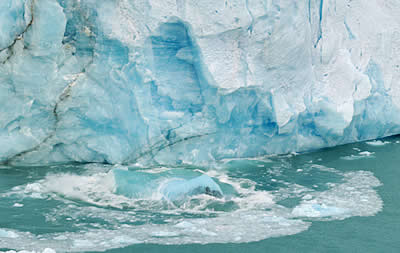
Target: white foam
249,222
353,197
97,189
256,217
234,227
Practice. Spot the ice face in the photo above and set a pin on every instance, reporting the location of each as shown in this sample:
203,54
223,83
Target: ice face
192,82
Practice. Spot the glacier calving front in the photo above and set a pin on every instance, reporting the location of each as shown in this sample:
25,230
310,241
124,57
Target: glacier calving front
162,81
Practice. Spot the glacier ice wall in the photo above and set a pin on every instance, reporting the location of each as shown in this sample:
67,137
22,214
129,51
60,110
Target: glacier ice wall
154,81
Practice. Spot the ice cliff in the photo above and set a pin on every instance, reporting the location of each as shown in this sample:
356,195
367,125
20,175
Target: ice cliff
172,81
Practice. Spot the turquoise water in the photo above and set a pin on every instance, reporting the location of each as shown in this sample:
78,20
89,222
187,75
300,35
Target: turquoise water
342,199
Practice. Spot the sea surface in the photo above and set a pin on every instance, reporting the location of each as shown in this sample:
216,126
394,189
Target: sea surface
341,199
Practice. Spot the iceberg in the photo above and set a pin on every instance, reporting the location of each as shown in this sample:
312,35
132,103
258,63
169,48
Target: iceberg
171,82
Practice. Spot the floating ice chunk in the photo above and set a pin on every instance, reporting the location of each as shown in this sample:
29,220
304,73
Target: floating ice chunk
377,143
366,153
361,155
8,234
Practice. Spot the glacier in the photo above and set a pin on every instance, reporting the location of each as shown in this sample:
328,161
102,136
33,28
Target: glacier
171,82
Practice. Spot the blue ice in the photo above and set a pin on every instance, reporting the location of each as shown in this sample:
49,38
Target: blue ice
173,185
120,82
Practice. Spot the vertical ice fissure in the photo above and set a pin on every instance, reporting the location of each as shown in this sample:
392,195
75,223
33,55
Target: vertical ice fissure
321,6
250,28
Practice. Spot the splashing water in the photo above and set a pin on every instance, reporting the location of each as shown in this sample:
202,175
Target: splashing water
97,207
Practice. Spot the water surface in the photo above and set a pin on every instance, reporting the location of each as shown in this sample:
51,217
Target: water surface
342,199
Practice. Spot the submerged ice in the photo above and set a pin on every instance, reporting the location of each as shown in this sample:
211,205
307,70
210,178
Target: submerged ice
191,82
173,185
